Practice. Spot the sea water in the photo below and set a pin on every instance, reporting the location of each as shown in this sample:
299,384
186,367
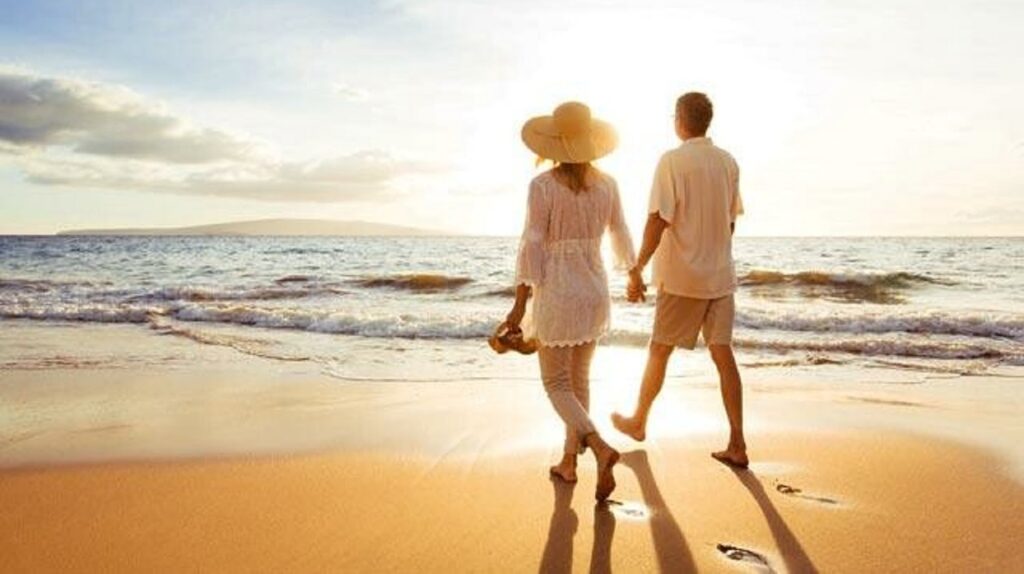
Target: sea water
944,304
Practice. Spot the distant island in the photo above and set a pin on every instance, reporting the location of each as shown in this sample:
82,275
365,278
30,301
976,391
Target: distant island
297,227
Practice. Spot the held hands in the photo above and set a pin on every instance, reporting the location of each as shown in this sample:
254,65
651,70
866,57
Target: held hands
636,288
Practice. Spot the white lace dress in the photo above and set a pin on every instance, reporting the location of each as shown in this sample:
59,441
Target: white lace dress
560,258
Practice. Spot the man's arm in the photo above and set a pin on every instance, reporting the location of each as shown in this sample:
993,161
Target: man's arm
652,238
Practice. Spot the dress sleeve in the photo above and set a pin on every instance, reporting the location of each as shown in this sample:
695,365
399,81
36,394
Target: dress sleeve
622,241
530,262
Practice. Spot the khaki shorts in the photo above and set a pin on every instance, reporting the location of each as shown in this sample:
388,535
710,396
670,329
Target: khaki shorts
678,319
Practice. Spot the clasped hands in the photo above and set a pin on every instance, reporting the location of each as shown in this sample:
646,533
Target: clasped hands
636,288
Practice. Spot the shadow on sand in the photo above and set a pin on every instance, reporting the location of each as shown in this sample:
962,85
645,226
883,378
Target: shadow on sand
671,548
673,553
793,555
669,544
558,550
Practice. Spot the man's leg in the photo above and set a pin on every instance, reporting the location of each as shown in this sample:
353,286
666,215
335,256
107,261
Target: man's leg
654,377
732,398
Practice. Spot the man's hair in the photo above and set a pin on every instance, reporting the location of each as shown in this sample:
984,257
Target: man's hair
694,109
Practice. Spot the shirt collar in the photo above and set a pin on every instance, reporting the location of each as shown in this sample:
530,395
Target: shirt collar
702,140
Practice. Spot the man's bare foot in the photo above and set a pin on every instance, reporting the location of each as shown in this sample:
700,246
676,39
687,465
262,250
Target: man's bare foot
629,427
565,470
606,461
732,456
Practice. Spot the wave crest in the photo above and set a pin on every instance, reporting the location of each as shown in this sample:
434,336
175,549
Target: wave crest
882,288
901,279
200,294
414,282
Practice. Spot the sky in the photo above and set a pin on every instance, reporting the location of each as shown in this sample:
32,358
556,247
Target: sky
853,117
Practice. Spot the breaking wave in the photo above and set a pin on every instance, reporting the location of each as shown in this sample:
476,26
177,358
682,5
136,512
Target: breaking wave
900,345
250,294
900,279
948,337
501,292
45,285
976,324
424,282
881,288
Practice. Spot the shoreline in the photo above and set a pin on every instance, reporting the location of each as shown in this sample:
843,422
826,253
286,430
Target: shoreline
235,402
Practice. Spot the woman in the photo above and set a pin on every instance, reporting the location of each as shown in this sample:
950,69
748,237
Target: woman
559,264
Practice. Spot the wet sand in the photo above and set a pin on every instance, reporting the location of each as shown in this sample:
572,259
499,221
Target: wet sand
223,462
866,504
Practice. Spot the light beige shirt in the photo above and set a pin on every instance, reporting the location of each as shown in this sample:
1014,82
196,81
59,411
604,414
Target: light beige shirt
696,190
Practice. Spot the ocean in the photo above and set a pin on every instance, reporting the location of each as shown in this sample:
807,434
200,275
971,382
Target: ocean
934,304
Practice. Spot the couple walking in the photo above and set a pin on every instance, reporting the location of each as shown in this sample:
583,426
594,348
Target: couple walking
694,203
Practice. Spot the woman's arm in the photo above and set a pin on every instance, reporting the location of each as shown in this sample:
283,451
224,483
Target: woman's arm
622,240
515,316
530,261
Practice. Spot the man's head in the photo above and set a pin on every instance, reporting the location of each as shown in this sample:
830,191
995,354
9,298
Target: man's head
693,115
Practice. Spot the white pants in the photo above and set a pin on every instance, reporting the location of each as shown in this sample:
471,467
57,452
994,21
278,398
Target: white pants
566,375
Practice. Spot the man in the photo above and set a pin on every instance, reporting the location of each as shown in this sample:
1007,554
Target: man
694,203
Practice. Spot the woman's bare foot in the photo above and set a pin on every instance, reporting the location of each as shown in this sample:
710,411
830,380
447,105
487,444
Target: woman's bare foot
629,427
733,456
606,457
565,469
606,460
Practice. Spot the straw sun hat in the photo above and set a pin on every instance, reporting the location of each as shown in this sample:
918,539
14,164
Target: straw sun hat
570,135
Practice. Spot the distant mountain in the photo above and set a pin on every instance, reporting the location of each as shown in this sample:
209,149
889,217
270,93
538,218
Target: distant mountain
272,227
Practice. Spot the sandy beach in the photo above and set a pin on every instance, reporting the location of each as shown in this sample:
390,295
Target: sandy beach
183,457
267,269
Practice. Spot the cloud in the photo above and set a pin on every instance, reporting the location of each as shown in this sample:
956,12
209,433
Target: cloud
69,132
112,121
360,176
1011,213
351,93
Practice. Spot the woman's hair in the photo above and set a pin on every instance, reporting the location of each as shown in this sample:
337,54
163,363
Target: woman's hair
574,175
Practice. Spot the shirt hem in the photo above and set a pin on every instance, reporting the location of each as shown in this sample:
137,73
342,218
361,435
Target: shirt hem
569,343
697,294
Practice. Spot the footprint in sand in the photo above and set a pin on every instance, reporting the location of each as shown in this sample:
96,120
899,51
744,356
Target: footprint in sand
797,493
743,555
628,510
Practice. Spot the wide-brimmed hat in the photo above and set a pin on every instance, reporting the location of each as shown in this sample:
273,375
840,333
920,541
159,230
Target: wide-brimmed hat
570,135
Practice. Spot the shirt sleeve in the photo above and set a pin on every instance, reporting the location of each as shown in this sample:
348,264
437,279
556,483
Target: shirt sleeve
622,241
664,196
530,261
736,205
